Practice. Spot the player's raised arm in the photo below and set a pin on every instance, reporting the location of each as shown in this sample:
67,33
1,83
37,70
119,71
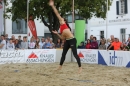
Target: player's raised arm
51,3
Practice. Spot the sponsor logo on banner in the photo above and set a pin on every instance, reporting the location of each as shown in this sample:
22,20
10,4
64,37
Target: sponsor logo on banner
88,56
115,60
41,56
14,56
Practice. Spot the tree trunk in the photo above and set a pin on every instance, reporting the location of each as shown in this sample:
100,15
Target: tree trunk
53,24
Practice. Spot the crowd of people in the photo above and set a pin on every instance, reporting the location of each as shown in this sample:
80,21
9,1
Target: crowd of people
47,43
19,43
110,44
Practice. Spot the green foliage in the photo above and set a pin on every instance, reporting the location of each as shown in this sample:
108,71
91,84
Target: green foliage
41,10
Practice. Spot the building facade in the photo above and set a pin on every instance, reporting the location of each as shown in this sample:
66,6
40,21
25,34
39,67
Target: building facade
117,22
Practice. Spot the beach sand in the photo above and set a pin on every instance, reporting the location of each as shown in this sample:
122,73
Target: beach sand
45,75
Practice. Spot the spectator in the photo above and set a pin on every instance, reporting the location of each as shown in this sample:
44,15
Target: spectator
3,43
112,40
13,39
62,44
17,45
94,44
19,40
6,38
128,44
122,47
91,38
48,38
46,45
52,45
108,43
58,44
24,43
37,45
31,44
42,42
116,44
88,44
10,45
81,46
102,46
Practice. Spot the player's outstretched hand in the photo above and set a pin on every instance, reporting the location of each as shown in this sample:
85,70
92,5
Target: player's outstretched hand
51,2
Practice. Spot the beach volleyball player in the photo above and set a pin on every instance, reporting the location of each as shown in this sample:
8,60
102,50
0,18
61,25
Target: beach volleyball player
66,35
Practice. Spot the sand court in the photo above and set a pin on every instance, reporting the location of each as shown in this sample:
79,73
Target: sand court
45,75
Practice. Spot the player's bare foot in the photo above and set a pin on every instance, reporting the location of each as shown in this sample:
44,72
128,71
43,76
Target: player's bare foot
59,68
80,70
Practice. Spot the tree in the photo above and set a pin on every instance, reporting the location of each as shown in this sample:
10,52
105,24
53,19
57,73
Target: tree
41,10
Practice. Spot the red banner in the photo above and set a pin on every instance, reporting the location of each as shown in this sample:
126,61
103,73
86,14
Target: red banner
32,27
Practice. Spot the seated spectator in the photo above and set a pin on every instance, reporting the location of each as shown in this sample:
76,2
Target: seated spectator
52,46
116,44
102,46
24,43
88,44
37,45
31,44
62,44
10,45
94,44
81,46
58,44
17,44
46,45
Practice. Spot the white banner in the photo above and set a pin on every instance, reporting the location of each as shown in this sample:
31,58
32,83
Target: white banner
40,56
114,58
12,56
88,56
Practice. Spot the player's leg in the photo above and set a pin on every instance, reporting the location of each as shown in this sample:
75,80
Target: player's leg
74,50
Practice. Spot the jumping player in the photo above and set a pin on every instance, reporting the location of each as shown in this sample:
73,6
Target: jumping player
68,36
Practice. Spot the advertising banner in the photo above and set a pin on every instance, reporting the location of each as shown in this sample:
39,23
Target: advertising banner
12,56
40,55
114,58
88,56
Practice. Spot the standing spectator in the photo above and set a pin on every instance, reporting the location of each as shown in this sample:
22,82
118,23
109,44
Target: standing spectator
116,44
108,43
46,45
88,44
128,44
102,46
62,44
58,44
122,47
10,45
31,44
94,44
24,43
91,38
13,39
48,38
37,45
6,38
42,42
3,43
52,45
19,40
17,45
